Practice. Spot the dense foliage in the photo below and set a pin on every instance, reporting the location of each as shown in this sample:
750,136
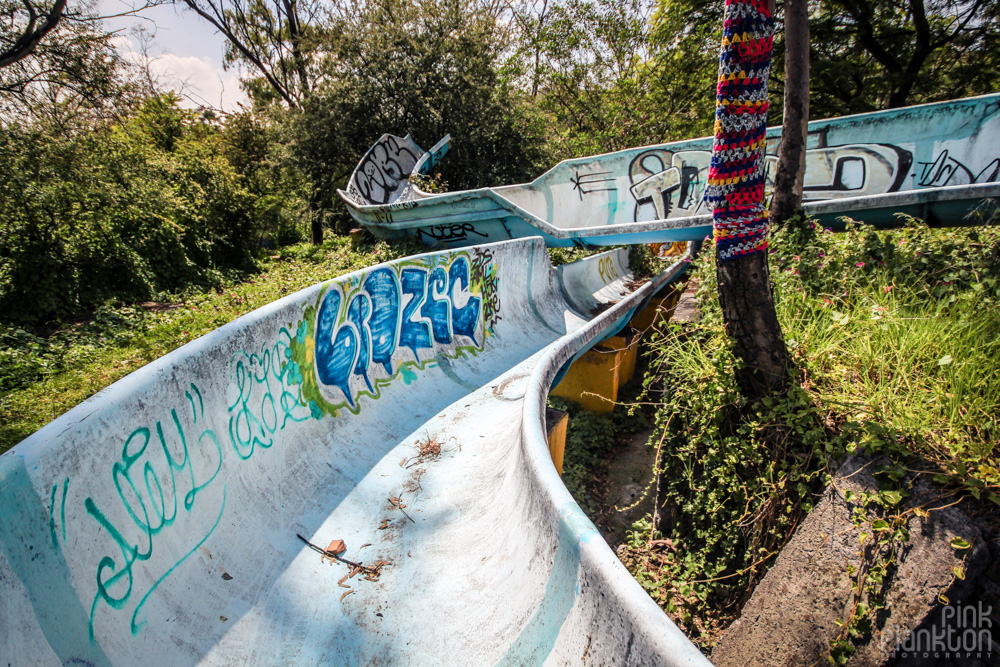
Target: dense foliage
110,191
919,386
421,67
123,210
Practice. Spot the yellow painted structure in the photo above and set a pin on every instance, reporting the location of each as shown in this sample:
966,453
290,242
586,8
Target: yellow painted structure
628,342
658,311
593,380
556,422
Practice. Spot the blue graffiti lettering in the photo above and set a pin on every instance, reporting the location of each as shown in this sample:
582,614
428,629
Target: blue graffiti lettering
438,310
466,316
383,288
335,352
414,334
357,313
396,316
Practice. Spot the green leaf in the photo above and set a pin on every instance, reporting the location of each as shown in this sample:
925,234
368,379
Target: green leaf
945,360
892,497
959,572
880,524
959,543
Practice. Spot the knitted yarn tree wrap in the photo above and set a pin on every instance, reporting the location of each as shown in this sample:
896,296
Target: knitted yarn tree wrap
735,188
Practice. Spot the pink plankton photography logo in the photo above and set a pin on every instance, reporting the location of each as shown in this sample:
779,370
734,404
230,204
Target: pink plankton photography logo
962,631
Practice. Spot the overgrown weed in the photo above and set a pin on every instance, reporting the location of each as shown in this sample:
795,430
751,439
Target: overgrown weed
590,439
896,340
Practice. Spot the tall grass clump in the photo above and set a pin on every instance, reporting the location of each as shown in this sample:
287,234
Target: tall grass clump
895,337
898,333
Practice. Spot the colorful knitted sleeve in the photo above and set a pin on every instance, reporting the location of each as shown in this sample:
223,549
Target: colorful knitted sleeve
735,188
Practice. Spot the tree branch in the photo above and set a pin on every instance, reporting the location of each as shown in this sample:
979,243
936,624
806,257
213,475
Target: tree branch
31,36
218,19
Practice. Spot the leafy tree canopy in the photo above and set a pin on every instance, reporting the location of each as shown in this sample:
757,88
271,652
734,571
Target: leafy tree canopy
423,67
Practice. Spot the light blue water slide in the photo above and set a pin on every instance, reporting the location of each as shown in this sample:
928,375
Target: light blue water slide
399,409
938,162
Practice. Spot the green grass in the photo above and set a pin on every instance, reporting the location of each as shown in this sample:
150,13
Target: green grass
899,336
43,377
896,340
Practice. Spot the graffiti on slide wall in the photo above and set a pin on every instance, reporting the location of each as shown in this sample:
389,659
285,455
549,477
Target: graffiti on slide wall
391,322
669,184
385,170
363,333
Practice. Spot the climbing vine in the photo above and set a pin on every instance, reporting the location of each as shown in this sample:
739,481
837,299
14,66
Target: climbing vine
916,389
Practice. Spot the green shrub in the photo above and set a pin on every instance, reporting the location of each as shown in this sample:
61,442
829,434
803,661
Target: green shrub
123,210
896,340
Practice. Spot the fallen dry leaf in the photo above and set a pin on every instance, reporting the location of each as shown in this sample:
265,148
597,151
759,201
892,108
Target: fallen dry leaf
346,593
336,548
430,449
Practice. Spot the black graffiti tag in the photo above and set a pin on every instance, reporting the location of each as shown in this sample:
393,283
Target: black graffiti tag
484,273
379,174
452,232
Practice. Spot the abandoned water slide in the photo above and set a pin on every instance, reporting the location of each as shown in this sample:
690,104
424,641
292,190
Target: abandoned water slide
937,162
355,474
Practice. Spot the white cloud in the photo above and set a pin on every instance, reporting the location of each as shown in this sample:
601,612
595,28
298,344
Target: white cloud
198,81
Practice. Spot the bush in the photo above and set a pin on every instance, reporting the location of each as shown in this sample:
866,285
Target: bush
122,210
896,340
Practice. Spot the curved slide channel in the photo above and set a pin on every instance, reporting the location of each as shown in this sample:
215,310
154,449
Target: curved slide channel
938,162
398,409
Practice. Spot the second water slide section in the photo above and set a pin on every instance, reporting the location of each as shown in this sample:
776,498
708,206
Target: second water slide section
938,162
393,418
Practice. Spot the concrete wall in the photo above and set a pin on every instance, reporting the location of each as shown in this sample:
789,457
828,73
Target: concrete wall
156,523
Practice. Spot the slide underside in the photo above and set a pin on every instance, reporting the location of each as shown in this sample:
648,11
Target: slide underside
938,162
398,409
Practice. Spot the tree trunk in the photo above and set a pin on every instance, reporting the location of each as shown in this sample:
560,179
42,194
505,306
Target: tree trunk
736,192
786,200
316,229
752,324
315,220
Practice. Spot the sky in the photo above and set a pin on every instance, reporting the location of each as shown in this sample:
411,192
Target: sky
185,52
